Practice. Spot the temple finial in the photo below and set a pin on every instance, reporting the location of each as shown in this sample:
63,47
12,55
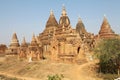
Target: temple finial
63,5
33,37
51,12
104,15
24,41
24,44
105,19
63,11
79,19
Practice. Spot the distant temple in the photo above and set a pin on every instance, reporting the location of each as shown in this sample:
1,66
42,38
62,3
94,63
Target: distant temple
14,45
60,42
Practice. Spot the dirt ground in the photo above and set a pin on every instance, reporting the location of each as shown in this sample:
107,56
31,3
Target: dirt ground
39,70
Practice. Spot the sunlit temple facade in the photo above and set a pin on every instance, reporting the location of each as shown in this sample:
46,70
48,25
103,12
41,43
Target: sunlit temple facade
60,42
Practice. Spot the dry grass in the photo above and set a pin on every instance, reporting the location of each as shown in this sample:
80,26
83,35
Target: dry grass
41,69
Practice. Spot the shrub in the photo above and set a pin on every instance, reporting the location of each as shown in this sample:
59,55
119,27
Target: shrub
55,77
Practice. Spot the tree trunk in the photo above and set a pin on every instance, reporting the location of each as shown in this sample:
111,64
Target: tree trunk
118,71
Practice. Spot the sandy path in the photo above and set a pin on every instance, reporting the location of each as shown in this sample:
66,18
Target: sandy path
79,72
17,76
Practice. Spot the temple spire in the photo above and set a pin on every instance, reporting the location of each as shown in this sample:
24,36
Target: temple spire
24,44
14,37
105,19
79,20
33,42
33,37
64,13
106,31
64,19
24,41
52,22
80,28
51,12
14,41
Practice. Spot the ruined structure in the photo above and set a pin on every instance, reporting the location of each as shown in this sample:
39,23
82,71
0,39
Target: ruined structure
3,47
60,42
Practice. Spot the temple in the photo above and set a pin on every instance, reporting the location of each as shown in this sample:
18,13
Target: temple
14,45
60,42
106,31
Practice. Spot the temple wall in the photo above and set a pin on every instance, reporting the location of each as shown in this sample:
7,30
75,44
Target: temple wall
68,49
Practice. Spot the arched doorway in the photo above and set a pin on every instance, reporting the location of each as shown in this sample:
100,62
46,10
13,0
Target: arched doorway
78,50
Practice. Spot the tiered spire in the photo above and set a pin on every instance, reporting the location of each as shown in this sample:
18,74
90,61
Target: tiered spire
24,44
51,20
33,42
33,38
80,28
14,41
105,23
64,20
64,13
106,31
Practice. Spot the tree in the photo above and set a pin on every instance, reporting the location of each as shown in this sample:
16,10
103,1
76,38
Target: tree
108,53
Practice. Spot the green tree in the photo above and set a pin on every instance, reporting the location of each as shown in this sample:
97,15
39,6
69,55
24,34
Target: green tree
108,53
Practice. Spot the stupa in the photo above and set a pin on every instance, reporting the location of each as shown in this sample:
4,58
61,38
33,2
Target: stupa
14,45
106,31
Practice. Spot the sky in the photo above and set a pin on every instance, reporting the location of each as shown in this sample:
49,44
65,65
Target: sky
26,17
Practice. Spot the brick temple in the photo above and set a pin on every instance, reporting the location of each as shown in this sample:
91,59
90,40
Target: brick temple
60,42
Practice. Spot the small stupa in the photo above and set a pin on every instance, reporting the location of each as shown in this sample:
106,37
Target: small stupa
14,45
14,42
24,44
33,42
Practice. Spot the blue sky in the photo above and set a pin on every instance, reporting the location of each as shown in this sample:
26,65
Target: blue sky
26,17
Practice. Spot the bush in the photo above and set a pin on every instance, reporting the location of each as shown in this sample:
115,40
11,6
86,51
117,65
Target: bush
55,77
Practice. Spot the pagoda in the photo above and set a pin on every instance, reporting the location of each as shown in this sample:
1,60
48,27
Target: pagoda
23,49
106,31
14,42
14,45
80,28
24,44
33,45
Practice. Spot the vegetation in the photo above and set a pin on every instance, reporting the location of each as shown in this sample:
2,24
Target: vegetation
55,77
108,53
